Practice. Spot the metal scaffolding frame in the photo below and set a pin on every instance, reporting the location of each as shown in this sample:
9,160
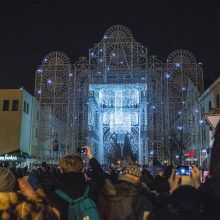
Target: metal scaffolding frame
70,109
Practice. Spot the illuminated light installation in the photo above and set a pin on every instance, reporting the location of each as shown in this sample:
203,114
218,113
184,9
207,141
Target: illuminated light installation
118,100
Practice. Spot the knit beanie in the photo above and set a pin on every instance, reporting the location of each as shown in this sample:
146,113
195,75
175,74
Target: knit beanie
7,180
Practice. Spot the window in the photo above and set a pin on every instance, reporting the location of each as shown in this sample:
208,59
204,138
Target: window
210,105
217,101
5,105
27,108
15,105
24,108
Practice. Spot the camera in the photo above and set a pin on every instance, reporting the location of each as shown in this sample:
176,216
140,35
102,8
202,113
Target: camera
80,150
183,171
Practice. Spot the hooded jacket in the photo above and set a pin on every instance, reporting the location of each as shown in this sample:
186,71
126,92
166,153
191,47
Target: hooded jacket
123,201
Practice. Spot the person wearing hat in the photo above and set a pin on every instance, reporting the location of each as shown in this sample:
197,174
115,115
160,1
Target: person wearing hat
127,199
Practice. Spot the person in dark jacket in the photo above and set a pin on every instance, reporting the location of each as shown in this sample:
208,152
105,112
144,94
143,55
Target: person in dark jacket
126,199
73,181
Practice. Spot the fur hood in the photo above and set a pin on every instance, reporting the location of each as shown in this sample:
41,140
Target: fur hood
123,188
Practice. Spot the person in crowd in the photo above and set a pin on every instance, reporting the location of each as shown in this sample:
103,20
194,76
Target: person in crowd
73,182
126,199
23,205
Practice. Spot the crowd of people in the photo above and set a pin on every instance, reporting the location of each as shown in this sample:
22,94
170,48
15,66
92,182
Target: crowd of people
75,191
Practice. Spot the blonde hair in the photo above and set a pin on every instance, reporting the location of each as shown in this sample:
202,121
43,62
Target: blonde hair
71,163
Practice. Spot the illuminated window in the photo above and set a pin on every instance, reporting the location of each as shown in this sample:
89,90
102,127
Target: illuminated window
5,105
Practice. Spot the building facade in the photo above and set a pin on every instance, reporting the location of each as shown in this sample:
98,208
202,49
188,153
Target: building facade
120,100
18,115
209,105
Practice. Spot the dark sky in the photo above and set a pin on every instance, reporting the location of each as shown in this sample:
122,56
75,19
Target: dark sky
32,29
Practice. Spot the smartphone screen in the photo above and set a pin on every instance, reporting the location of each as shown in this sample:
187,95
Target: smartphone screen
183,170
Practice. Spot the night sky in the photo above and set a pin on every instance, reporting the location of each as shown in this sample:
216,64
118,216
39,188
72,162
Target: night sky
32,29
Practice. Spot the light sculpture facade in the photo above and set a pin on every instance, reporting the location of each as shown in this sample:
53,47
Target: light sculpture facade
121,101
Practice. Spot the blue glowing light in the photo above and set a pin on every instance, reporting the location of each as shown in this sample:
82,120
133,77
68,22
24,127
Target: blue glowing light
39,70
151,152
196,111
101,60
45,60
167,75
121,62
179,113
70,74
201,121
184,89
105,37
39,91
183,171
100,50
49,81
113,54
177,65
179,127
153,107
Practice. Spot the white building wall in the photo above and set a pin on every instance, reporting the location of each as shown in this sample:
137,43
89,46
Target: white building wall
210,96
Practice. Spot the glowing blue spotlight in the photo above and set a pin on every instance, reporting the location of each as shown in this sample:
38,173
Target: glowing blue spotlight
184,89
113,54
183,103
153,107
92,54
121,62
179,113
100,50
196,111
108,68
177,65
70,74
45,60
179,127
105,37
39,70
201,122
101,60
167,75
49,81
39,91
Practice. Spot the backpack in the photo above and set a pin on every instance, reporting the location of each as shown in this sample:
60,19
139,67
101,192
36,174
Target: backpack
80,208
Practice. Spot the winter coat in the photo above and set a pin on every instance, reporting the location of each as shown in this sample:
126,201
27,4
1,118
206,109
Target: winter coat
74,184
123,201
14,206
